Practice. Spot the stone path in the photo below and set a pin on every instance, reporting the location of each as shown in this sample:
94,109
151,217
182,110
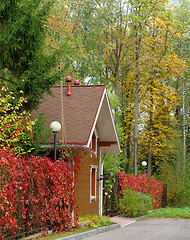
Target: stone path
122,221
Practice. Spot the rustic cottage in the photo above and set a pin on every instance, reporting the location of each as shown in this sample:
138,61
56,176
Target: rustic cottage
86,118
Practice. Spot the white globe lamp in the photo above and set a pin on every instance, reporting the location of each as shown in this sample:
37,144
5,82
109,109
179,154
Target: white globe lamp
55,127
144,164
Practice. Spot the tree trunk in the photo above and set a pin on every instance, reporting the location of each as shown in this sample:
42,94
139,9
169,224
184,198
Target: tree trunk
149,162
178,138
184,133
138,47
151,130
116,91
136,127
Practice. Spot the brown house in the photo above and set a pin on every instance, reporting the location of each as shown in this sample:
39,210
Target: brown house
86,118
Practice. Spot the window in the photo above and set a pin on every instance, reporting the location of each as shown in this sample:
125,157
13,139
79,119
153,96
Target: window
93,180
93,173
94,142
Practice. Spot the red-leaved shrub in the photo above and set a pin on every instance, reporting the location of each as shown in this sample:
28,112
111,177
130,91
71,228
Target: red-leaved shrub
144,184
35,192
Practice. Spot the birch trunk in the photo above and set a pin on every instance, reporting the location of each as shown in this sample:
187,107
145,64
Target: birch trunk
136,127
184,134
138,48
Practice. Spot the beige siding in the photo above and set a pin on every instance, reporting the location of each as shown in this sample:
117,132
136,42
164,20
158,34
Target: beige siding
82,189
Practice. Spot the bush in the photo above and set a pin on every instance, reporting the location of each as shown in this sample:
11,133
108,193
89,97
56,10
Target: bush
134,204
144,184
94,221
16,130
36,192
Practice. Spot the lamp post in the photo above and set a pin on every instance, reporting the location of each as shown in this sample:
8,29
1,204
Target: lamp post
144,163
55,127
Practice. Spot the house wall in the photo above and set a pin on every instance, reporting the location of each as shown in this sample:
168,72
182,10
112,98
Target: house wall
82,188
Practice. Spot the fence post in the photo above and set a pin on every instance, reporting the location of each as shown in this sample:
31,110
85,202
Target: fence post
164,197
27,210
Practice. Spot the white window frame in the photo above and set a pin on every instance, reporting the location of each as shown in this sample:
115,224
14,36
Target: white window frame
96,168
96,143
96,147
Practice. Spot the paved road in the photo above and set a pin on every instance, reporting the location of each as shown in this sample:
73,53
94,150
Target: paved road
149,229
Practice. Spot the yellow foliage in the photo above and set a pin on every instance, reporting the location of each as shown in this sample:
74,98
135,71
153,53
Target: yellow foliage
15,127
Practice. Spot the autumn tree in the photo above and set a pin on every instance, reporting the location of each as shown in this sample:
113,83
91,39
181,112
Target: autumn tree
164,67
180,182
16,129
181,14
138,22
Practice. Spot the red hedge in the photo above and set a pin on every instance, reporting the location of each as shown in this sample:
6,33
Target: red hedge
144,184
35,192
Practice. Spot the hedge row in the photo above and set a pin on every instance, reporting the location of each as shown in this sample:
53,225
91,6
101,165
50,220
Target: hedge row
35,192
143,184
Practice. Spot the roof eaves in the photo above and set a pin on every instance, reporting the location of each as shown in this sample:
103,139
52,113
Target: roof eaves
113,123
96,116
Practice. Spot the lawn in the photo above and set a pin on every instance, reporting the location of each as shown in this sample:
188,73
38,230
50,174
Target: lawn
63,234
86,223
172,212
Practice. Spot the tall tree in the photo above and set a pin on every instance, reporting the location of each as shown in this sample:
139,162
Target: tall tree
88,64
24,65
148,63
182,48
140,13
163,65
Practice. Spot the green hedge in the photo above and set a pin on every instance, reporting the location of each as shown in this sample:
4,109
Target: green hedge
133,204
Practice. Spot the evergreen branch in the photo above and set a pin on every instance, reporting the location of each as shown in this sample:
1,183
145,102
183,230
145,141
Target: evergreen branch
7,80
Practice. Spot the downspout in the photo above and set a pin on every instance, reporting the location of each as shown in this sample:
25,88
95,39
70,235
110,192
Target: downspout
101,164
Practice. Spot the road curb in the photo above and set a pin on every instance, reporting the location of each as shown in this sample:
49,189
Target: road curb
135,219
90,233
101,229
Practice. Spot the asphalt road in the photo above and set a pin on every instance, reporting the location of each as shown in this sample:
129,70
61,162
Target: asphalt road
149,229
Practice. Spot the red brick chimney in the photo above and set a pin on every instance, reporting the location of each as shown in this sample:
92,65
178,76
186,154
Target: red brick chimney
68,80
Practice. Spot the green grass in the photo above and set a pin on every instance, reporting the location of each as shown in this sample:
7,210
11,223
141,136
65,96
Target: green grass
63,234
86,223
169,212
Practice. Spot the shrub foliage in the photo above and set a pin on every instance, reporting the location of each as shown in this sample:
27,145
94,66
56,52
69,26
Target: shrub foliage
16,129
134,204
143,184
36,192
94,221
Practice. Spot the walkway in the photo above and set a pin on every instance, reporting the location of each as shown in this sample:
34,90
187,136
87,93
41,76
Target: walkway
122,221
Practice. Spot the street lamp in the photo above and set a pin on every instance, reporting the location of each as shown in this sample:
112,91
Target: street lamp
144,163
55,127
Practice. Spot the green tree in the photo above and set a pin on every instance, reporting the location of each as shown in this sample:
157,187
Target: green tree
89,63
24,64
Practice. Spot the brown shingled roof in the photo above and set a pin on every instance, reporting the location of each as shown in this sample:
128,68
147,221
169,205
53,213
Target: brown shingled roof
79,111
